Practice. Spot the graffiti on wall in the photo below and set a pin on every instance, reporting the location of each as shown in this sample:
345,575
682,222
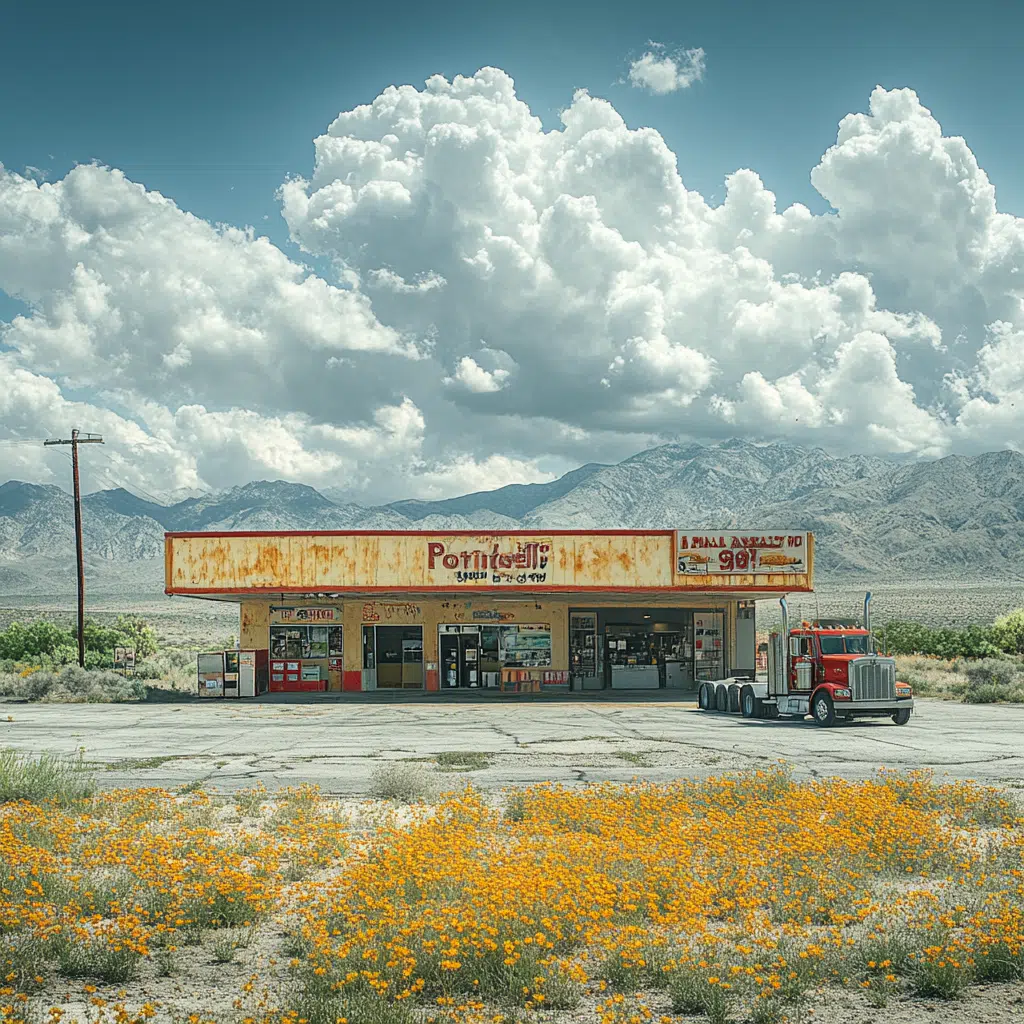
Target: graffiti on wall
388,611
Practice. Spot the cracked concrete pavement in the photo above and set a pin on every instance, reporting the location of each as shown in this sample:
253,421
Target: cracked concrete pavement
337,745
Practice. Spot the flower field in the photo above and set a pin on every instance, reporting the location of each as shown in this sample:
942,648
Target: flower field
747,897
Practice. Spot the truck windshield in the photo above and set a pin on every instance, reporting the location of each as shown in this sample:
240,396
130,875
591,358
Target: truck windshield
844,644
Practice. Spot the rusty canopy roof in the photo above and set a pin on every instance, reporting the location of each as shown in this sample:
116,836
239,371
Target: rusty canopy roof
509,561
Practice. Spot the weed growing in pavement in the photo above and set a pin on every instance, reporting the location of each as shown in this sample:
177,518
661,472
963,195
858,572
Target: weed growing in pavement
462,760
53,777
403,782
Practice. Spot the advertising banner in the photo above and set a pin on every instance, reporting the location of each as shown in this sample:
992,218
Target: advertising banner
742,554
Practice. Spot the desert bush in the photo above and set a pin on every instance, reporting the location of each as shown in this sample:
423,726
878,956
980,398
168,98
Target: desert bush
177,668
47,777
992,680
402,781
71,685
931,676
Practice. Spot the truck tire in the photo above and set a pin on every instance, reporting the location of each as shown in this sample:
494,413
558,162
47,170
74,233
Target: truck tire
734,698
750,706
703,701
902,716
721,697
823,710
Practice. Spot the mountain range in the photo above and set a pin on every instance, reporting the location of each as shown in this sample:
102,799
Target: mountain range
958,518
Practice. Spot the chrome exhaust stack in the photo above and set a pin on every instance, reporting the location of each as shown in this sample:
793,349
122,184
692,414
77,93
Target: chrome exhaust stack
867,620
785,645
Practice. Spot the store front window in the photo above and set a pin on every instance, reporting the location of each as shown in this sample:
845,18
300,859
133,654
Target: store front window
288,641
474,656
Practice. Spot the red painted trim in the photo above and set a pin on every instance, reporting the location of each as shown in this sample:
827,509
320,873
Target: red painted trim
352,680
425,533
433,683
355,592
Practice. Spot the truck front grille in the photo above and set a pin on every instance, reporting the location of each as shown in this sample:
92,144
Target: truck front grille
873,679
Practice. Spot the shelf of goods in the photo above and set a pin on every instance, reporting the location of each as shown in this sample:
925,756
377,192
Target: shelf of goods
523,680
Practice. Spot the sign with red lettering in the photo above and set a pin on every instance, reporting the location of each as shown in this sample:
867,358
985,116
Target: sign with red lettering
307,614
741,554
510,562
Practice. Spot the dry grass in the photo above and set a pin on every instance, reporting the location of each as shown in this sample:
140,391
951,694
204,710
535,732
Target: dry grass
976,681
933,677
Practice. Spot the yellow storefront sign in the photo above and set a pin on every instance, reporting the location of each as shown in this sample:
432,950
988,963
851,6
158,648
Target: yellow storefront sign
392,563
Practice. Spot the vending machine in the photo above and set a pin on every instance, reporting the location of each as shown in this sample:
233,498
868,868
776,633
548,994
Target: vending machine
252,672
284,674
210,674
231,673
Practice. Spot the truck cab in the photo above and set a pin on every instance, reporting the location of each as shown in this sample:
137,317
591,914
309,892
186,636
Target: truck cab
832,670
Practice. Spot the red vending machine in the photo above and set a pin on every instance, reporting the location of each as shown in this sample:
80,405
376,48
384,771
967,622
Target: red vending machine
285,675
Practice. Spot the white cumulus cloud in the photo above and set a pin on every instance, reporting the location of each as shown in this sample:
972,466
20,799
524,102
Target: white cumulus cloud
661,71
500,291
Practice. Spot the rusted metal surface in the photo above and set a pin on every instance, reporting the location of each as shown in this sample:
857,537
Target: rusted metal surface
417,562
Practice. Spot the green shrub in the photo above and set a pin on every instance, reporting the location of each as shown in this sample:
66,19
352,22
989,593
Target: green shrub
72,685
47,777
47,643
913,638
1008,631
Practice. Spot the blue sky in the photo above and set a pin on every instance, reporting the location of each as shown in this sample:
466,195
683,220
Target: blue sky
215,104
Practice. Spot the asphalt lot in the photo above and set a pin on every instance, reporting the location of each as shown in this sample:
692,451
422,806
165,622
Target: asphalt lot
339,744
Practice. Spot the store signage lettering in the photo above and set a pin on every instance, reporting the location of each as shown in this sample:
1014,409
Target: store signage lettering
376,611
527,563
492,616
308,614
740,553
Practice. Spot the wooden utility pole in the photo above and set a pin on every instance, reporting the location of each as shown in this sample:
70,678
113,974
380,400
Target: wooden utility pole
75,440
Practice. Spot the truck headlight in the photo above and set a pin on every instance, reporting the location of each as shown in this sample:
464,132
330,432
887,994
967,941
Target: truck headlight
841,694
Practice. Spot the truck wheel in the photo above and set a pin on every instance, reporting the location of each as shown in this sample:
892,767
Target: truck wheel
721,697
702,697
750,706
902,716
734,698
823,710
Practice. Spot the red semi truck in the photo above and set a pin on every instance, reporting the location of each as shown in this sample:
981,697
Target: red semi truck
828,669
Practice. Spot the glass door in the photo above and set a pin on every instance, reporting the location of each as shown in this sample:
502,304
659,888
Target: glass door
369,658
582,647
708,646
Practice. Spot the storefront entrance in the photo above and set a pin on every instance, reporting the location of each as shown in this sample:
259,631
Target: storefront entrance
645,648
459,656
392,657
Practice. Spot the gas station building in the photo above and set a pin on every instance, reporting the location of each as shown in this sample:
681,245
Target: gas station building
508,611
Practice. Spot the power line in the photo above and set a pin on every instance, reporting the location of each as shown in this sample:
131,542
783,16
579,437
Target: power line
133,487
